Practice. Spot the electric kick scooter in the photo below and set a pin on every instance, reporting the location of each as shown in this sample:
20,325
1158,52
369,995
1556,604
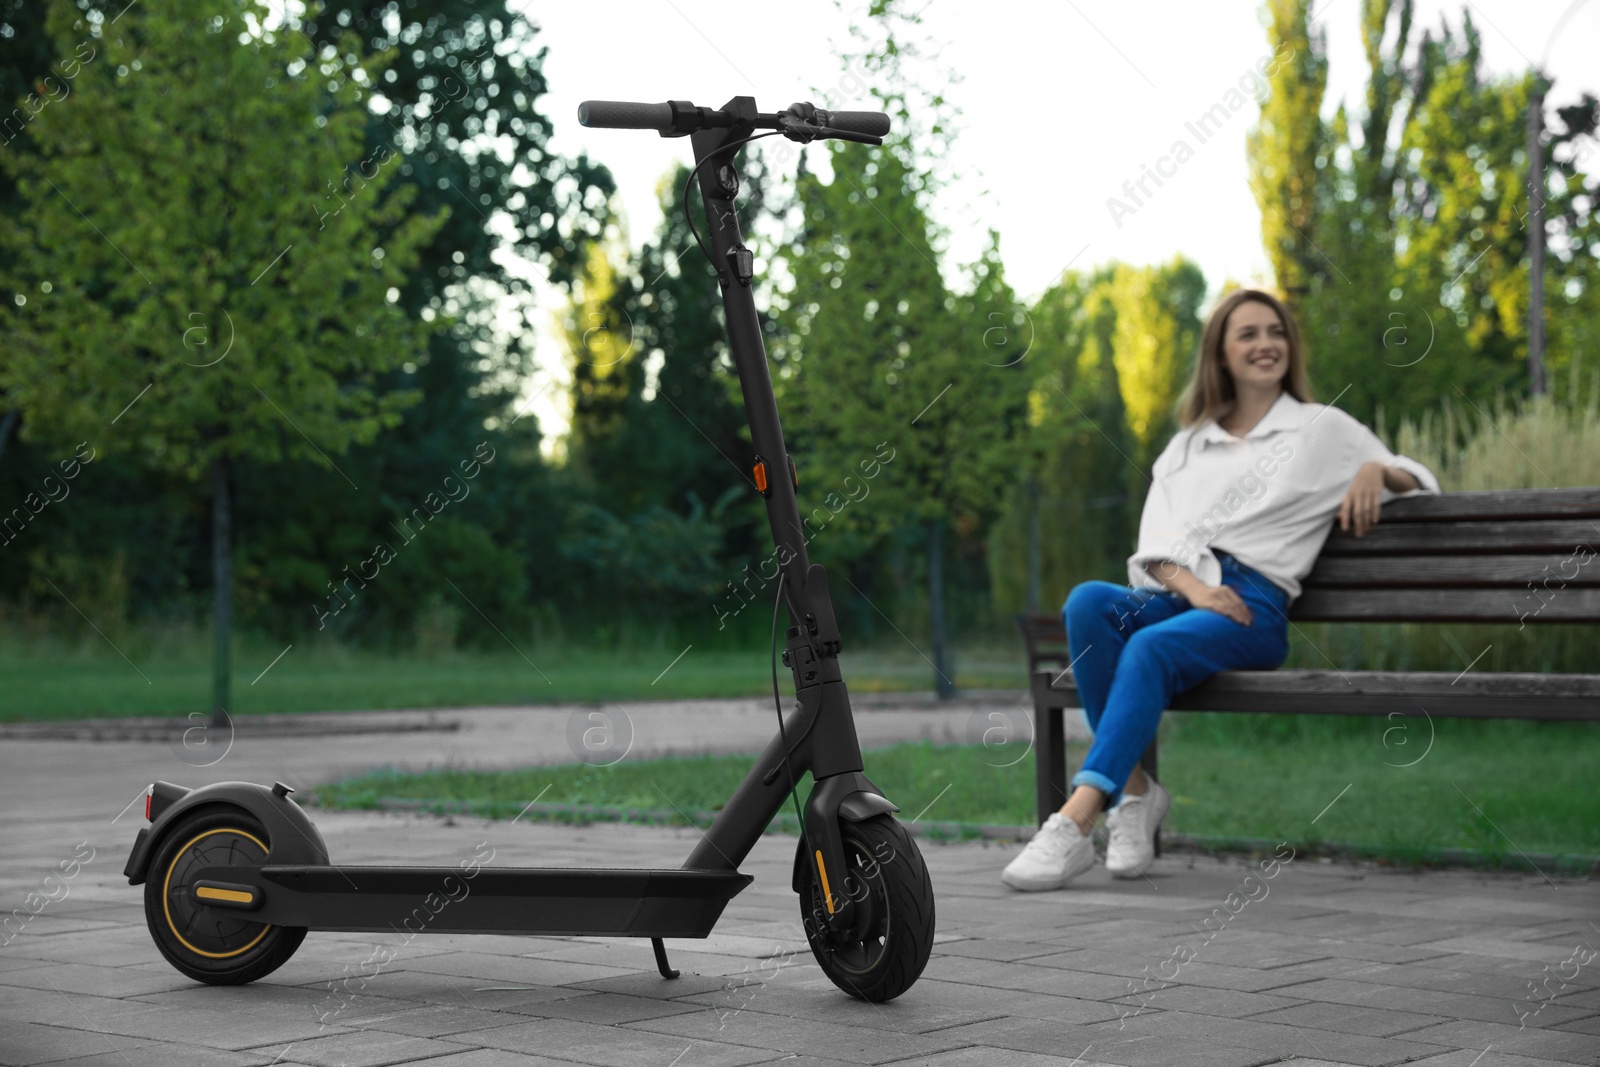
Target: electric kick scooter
235,873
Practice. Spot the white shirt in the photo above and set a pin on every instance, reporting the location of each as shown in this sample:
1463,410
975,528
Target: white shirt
1270,498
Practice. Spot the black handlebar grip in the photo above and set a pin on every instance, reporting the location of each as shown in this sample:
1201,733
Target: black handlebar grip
875,123
624,115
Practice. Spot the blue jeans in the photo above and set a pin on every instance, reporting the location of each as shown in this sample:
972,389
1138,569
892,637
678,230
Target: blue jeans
1134,649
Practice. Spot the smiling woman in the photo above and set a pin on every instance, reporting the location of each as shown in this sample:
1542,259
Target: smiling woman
1249,410
1246,412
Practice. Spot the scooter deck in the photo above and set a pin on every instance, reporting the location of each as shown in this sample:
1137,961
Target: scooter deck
525,900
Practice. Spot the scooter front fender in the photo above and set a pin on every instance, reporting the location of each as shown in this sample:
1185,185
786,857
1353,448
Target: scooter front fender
292,838
850,796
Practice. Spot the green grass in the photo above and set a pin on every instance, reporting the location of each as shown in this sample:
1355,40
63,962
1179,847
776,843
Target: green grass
169,674
1233,776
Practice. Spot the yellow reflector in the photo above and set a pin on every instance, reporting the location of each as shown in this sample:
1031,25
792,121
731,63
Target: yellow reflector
827,894
205,892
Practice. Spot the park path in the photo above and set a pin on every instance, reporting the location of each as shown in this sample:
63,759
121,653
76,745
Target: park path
1321,965
74,779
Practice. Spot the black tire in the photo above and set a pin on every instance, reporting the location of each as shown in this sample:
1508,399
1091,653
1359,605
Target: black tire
213,945
891,942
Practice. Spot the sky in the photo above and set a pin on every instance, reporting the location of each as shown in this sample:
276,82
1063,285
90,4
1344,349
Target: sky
1061,104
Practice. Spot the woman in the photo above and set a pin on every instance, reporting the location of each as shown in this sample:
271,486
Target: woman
1240,505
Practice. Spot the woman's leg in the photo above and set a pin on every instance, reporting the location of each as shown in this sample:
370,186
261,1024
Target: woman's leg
1163,659
1132,651
1100,617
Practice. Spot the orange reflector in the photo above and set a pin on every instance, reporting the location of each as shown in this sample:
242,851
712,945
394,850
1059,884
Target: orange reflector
827,895
760,471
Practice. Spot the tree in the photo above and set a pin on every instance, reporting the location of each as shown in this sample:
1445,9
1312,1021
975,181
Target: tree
879,357
460,96
882,360
24,62
659,435
1289,145
177,233
1113,349
657,414
461,105
1399,229
1153,344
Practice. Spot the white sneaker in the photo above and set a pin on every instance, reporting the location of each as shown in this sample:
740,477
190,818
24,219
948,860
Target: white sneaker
1133,824
1058,852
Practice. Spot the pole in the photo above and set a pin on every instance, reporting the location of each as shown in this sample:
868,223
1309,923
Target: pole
1536,236
222,590
1033,544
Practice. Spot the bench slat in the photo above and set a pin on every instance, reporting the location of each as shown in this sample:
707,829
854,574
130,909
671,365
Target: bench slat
1490,504
1573,604
1413,571
1520,695
1390,537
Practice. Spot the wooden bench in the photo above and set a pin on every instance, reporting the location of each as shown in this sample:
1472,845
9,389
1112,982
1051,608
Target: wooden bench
1525,556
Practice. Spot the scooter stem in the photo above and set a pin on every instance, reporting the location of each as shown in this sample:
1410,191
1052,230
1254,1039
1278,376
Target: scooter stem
806,593
811,652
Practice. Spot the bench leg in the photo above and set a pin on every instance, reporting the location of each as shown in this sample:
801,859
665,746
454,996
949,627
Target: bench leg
1049,762
1148,762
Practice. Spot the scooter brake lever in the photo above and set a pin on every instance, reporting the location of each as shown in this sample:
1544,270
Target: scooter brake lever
804,132
798,129
847,135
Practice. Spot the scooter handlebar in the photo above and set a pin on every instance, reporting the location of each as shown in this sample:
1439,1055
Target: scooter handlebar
678,117
625,115
873,123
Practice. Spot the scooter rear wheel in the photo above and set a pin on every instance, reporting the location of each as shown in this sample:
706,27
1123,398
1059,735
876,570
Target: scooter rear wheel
212,945
889,946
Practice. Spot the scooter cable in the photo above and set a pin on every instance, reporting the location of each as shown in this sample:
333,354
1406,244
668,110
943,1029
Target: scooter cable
687,214
797,742
777,703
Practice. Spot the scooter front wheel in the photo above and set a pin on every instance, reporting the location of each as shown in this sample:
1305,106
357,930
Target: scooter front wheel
889,944
212,945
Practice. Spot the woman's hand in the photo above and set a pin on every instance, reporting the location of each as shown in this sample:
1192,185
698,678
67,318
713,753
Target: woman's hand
1362,499
1222,600
1218,598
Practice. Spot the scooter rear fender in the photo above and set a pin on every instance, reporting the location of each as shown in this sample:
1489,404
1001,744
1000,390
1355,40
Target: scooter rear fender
292,839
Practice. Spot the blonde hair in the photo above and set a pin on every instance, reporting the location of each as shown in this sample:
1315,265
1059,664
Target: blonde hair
1210,393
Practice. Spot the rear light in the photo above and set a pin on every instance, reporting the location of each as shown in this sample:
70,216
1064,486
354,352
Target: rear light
148,794
162,796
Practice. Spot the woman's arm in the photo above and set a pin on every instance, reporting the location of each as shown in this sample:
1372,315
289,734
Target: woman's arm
1363,499
1175,576
1218,598
1376,469
1400,481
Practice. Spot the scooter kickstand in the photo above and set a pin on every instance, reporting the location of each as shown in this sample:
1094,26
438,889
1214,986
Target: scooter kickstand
661,958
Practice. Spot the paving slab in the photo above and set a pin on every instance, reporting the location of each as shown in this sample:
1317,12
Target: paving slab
1431,1002
1340,964
1485,1057
1270,1037
1538,1042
